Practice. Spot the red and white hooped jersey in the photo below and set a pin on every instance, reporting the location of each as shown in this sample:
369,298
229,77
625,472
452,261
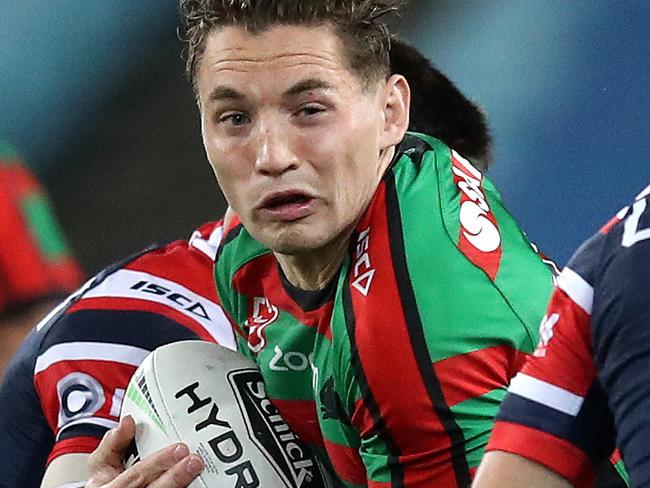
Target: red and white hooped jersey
587,386
65,386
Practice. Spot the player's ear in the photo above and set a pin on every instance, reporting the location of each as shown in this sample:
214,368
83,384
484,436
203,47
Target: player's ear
396,102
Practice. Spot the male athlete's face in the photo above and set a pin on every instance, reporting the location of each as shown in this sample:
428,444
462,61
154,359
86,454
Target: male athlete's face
292,135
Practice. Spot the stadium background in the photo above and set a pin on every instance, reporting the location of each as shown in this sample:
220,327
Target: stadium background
93,95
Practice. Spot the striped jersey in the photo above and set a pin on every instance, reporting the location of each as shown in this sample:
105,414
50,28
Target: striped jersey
64,388
587,386
395,371
35,260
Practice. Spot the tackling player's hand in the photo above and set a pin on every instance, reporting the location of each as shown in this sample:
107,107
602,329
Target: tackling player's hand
171,467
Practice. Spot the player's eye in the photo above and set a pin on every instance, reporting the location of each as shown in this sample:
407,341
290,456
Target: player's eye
235,118
311,110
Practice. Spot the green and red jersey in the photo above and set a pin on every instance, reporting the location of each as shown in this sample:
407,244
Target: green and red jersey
396,371
35,260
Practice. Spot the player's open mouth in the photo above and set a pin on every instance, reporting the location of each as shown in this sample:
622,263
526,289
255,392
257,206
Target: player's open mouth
287,205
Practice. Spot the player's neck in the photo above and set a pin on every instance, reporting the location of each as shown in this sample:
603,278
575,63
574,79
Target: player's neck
314,270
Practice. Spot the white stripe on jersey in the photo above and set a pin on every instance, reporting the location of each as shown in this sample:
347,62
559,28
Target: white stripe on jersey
581,292
90,351
144,286
64,304
109,424
644,193
210,245
545,393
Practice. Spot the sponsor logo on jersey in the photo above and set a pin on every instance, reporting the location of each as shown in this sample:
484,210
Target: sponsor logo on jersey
264,314
363,272
634,230
80,395
480,239
290,360
189,304
138,285
546,333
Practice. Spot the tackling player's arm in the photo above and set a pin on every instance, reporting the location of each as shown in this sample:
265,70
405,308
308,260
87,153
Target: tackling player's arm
499,469
621,337
590,367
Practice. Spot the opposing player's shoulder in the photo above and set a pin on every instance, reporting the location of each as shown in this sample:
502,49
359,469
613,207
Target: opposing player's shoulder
632,223
85,351
626,236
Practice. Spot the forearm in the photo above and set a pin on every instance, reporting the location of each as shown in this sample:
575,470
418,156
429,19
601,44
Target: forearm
66,470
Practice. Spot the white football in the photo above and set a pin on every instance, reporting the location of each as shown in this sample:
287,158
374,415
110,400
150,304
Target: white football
213,399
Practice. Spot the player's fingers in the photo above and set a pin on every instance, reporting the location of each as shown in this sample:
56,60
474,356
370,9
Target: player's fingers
110,451
151,468
181,474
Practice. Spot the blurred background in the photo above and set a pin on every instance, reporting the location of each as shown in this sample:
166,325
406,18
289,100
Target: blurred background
93,94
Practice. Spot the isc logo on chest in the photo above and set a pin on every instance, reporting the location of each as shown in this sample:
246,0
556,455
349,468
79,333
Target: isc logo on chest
178,299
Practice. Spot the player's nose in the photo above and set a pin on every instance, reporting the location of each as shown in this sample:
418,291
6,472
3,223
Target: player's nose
274,155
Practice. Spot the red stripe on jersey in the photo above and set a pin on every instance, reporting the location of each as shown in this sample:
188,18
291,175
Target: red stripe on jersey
563,357
302,416
556,454
387,358
247,281
182,264
348,464
615,457
362,419
479,238
111,303
74,445
477,373
609,225
108,374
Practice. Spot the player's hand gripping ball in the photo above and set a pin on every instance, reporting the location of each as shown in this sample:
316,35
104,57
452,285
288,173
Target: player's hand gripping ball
213,400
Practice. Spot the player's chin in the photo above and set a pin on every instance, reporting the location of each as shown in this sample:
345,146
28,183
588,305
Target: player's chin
295,238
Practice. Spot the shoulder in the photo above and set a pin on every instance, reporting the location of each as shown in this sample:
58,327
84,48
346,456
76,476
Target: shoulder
169,286
437,207
614,263
80,357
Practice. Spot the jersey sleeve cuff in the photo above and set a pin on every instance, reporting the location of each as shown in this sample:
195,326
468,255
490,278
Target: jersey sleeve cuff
74,445
554,453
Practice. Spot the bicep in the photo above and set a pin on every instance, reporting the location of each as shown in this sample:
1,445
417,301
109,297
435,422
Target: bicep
67,470
499,469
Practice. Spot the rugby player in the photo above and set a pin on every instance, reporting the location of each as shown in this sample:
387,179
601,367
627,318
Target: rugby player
36,266
65,388
385,292
586,387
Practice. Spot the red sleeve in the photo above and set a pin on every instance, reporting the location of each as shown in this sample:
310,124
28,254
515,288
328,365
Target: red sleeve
554,405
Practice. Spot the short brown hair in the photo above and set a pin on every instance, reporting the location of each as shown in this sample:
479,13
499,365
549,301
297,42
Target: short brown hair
360,23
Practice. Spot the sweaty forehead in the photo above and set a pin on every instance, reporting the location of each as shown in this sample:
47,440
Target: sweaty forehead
281,47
